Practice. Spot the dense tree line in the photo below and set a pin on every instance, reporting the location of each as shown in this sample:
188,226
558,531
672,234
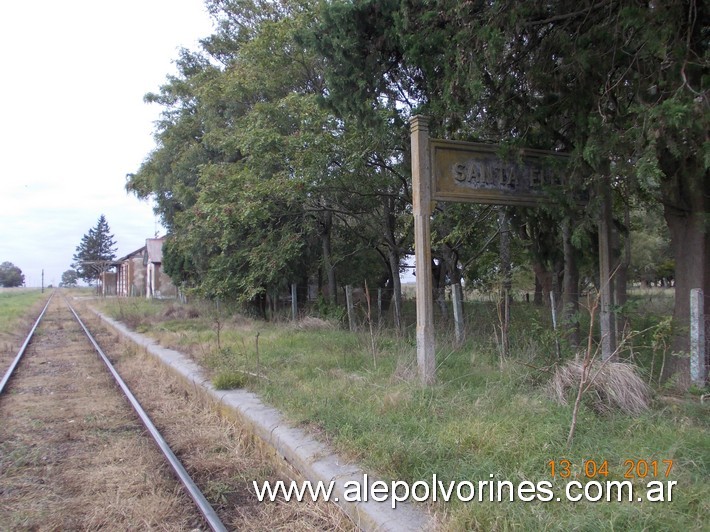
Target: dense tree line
283,149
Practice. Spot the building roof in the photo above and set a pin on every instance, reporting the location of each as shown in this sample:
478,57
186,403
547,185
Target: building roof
133,254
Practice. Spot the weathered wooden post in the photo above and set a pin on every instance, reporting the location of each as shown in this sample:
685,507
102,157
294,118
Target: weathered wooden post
698,370
351,307
456,298
294,301
421,196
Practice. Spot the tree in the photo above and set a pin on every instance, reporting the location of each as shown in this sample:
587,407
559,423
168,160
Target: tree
10,275
228,176
258,183
69,278
621,86
96,250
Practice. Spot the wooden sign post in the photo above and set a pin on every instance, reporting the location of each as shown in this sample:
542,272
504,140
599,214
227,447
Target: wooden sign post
445,170
421,198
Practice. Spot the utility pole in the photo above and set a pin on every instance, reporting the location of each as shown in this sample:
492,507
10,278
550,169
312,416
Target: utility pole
43,280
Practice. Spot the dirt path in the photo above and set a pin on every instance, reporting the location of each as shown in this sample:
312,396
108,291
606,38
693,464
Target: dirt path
74,456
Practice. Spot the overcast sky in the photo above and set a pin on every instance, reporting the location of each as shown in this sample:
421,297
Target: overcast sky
74,123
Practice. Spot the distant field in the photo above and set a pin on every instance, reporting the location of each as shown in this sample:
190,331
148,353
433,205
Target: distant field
18,309
15,303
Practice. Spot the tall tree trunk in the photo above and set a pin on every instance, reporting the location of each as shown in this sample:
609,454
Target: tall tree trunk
506,281
607,318
440,271
570,286
691,247
326,229
622,275
394,257
537,297
558,271
504,235
451,259
686,206
544,277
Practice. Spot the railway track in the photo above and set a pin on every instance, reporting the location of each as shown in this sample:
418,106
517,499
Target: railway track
43,379
74,455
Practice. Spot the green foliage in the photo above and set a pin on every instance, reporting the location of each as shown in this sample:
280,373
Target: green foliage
283,144
69,278
622,88
329,311
10,275
253,176
95,251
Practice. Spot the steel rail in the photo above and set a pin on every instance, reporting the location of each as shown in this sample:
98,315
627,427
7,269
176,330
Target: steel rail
21,352
202,504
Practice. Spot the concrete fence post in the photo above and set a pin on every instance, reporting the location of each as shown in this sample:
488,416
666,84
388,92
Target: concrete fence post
350,304
698,369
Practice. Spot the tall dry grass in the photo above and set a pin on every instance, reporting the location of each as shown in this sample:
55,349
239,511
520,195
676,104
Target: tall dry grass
611,386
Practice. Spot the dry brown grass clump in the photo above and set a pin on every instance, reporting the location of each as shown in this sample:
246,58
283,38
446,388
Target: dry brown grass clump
609,386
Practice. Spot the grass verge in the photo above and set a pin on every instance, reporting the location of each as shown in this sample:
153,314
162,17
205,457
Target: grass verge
484,420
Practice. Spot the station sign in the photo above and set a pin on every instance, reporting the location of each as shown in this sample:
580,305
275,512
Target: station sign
476,172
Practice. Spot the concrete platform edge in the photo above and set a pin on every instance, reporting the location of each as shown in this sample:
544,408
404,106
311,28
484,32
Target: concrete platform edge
314,460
